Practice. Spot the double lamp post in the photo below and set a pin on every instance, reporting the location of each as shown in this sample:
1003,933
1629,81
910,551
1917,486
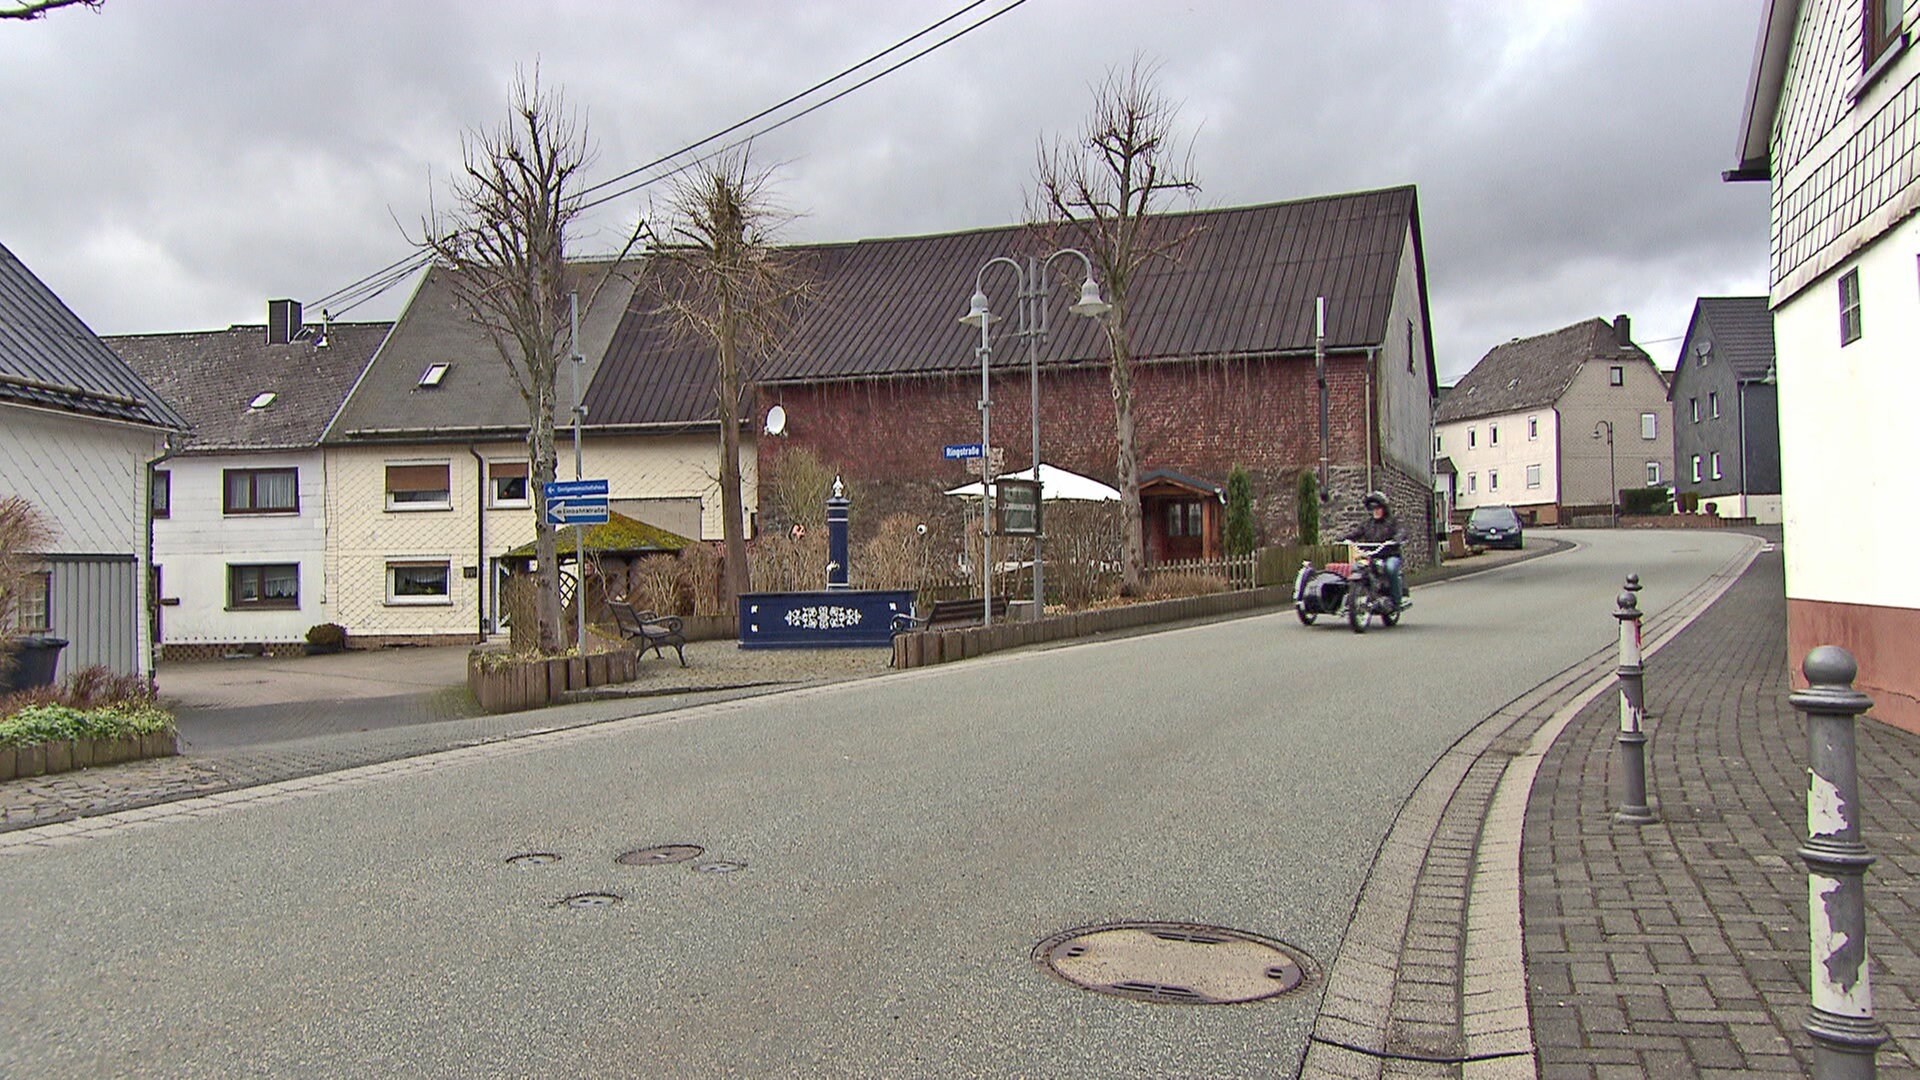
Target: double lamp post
1030,294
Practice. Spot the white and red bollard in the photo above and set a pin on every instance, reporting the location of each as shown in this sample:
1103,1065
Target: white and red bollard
1633,712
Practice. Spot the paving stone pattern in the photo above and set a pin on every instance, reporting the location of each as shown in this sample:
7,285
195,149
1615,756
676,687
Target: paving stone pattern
1680,948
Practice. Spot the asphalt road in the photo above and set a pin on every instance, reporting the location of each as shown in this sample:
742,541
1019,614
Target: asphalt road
908,839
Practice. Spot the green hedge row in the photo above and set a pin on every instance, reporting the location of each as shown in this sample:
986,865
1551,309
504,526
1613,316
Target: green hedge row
37,724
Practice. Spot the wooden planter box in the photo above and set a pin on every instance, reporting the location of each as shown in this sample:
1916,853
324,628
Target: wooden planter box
65,755
534,684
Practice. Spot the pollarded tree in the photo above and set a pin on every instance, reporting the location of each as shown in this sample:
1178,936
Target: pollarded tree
1101,189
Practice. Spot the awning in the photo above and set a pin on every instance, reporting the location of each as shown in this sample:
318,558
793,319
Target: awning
1055,484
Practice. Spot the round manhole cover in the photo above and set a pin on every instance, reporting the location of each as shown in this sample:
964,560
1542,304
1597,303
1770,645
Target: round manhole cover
533,858
719,867
1182,963
589,900
661,855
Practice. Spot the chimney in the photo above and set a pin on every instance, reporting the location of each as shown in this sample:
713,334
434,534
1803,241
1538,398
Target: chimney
1622,329
283,321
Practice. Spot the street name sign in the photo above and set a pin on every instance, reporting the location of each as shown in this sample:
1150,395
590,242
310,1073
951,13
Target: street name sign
961,451
577,502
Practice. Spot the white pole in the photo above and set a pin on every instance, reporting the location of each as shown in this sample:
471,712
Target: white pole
579,532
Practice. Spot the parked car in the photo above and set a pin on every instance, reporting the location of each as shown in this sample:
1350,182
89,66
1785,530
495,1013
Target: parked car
1494,526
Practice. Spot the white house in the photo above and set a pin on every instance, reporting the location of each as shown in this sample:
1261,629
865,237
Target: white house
78,430
1833,122
240,519
1553,425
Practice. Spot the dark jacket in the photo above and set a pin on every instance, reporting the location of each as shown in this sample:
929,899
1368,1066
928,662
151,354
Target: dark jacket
1377,532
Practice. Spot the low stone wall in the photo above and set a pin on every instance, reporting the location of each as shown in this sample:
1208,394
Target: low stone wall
924,647
1660,521
66,755
512,685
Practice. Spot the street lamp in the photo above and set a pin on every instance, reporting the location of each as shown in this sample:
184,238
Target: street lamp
1031,294
1613,483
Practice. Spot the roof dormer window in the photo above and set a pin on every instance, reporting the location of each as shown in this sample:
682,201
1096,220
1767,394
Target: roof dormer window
261,401
431,377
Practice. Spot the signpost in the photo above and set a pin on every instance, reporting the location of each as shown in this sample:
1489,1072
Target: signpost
577,502
961,451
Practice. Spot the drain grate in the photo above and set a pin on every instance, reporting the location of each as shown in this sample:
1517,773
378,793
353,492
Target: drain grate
1174,963
589,900
660,855
719,867
532,858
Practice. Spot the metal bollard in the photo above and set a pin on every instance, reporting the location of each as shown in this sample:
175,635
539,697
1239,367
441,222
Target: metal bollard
1633,712
1845,1034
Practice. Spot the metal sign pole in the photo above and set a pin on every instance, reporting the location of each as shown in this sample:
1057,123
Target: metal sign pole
986,490
579,531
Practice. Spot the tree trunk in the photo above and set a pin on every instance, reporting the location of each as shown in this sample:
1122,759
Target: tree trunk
547,604
732,505
1120,372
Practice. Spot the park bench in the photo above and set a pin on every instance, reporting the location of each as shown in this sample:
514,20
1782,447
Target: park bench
950,614
651,630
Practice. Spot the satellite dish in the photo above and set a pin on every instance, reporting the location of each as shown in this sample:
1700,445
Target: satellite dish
777,420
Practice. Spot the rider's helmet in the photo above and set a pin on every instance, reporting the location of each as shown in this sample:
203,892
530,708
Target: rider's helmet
1375,499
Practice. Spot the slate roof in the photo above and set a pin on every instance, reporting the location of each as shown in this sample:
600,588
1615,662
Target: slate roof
49,358
212,376
1532,372
1244,284
477,395
1742,332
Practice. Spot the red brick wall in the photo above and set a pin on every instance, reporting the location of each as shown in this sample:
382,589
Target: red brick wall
1199,418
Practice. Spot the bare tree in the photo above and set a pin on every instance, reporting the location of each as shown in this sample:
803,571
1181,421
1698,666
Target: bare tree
505,248
1101,189
726,286
35,9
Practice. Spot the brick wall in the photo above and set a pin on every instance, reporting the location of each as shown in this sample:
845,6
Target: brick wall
1197,418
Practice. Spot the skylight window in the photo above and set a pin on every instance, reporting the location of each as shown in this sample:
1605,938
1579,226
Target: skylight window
433,375
261,401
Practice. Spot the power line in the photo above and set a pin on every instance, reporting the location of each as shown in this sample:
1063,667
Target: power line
354,285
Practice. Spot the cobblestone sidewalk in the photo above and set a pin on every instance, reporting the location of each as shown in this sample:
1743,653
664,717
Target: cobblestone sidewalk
1680,948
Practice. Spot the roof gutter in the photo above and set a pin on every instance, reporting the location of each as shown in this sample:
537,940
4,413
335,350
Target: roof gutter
1770,56
519,431
1068,365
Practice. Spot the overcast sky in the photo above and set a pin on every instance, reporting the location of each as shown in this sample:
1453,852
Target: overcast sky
169,165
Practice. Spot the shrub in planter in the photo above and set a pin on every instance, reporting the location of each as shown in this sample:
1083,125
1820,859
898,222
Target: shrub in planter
326,638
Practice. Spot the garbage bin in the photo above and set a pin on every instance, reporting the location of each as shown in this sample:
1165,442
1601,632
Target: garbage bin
34,659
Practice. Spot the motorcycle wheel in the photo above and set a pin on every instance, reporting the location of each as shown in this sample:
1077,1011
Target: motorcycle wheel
1306,617
1356,614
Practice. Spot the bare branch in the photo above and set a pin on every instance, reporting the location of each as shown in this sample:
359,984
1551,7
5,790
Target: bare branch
35,9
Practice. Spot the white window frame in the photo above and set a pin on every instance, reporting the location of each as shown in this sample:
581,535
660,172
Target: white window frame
1696,468
1473,438
1649,426
1851,326
1473,481
494,501
1493,434
1716,464
415,507
1493,479
396,600
1616,375
1653,474
1713,403
1533,429
1693,406
1533,476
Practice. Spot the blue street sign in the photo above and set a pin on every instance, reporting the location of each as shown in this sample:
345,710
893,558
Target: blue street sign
571,489
577,512
961,451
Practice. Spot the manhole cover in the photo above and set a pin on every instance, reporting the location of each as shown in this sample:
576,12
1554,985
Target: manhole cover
720,867
589,900
658,856
1181,963
533,858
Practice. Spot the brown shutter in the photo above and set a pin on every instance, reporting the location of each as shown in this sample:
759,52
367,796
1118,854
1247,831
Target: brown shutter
507,470
417,478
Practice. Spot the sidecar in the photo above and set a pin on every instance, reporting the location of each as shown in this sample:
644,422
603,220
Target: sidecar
1320,591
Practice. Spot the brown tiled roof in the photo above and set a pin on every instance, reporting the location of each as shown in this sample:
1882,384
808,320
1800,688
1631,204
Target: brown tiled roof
1532,372
1244,284
213,376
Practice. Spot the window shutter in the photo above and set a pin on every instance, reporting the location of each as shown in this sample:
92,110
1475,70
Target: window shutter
507,470
417,478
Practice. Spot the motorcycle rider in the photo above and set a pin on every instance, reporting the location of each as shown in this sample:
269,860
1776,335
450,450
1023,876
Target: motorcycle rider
1382,527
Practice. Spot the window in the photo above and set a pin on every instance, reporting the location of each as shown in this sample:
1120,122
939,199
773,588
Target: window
431,378
1713,403
1473,438
1850,307
1696,468
507,483
1183,519
275,585
1616,376
1533,476
1649,425
1493,479
1879,30
1693,407
1533,428
1653,473
160,495
261,401
1716,464
419,583
260,491
419,487
33,611
1493,434
1436,445
1473,482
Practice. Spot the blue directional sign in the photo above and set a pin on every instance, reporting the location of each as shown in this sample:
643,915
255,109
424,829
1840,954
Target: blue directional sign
962,451
577,502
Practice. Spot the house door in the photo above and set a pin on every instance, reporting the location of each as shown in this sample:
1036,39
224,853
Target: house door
1185,530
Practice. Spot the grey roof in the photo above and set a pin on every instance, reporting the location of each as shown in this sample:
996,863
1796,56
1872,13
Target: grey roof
1742,332
1243,285
1531,372
213,376
477,395
49,358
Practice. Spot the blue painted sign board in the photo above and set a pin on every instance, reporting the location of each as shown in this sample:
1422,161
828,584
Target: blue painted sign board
961,451
573,489
821,620
576,502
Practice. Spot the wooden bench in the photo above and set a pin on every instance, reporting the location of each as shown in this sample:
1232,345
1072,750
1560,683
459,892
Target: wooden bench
651,630
948,614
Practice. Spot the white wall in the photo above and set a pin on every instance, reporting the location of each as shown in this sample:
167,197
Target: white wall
1848,436
1510,458
196,543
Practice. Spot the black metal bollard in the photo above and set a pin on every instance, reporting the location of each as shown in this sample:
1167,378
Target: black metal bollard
1633,711
1845,1034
